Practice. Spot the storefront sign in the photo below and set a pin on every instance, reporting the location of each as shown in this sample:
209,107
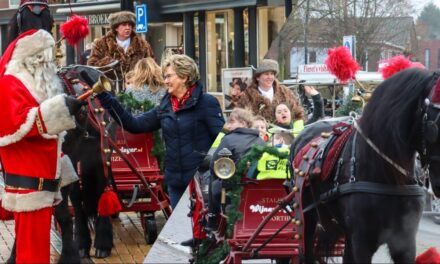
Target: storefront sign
98,19
312,68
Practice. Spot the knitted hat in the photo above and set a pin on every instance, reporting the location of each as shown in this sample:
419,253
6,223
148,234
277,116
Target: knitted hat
121,17
24,46
267,65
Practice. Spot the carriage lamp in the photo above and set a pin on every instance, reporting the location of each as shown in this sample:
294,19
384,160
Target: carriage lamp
224,167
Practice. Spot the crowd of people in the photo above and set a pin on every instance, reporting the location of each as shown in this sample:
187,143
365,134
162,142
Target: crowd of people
191,121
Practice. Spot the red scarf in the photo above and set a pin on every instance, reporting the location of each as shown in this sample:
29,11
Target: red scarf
178,103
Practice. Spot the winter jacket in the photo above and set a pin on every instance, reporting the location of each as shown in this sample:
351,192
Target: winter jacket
188,133
260,105
106,50
238,141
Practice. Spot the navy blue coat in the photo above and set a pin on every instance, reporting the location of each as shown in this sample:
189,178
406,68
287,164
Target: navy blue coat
188,134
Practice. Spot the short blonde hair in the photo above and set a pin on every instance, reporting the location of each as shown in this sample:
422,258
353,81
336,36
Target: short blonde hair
260,118
129,75
146,71
287,137
242,115
184,66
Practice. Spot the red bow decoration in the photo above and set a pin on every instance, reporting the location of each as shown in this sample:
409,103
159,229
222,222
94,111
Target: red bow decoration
108,204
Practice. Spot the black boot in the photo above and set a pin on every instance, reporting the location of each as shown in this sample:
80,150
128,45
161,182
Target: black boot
192,242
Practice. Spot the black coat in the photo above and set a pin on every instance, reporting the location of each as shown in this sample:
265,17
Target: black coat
238,141
188,133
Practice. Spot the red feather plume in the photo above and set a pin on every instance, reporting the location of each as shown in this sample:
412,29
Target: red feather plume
341,64
74,30
396,64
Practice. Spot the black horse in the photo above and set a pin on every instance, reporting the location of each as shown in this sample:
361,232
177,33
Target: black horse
382,202
84,147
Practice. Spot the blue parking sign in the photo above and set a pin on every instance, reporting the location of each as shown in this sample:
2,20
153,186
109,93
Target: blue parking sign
141,19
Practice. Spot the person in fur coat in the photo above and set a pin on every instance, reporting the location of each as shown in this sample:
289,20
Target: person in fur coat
122,44
34,116
265,93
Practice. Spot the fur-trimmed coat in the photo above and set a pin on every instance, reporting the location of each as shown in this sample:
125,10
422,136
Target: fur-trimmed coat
106,50
260,105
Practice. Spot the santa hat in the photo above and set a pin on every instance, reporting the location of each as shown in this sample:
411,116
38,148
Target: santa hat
26,44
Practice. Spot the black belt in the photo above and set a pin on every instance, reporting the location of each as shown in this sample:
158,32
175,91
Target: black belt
27,182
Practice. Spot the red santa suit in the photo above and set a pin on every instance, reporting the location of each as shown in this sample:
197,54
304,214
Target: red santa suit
30,145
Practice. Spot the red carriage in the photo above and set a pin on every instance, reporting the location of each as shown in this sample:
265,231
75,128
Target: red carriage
138,181
126,160
266,222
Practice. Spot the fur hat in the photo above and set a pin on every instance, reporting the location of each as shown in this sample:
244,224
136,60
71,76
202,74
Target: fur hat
267,65
121,17
24,46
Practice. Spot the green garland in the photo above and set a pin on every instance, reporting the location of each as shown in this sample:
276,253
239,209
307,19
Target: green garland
349,106
234,195
131,104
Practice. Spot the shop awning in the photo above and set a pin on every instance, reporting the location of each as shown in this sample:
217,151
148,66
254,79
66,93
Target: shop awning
172,8
97,8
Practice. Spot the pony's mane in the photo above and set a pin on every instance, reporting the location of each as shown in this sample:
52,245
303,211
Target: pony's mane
392,119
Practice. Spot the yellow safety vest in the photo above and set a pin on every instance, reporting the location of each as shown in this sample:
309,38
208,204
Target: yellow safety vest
272,167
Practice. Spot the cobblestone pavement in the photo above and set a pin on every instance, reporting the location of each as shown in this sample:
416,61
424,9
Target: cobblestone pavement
130,245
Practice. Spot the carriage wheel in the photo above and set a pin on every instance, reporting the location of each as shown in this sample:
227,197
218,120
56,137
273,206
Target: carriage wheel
150,229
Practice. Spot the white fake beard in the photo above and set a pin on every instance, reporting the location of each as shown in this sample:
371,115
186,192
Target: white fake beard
44,71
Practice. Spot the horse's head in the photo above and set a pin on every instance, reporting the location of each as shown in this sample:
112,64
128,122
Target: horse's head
77,80
30,15
430,152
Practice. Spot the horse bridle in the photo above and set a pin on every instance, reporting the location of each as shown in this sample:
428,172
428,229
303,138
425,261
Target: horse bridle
35,8
429,128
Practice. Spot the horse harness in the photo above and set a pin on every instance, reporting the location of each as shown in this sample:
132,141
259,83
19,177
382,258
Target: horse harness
319,157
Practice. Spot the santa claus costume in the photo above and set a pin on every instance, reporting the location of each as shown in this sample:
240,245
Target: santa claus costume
34,115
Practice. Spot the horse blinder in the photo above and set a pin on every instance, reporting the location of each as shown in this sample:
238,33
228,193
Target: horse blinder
431,131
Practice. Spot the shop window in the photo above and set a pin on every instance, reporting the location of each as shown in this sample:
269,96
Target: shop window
427,61
312,57
270,22
14,3
438,59
219,39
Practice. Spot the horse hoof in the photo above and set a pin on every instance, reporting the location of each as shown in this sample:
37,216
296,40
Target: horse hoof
83,253
102,253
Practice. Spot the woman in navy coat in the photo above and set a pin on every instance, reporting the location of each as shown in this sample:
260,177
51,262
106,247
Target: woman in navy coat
189,118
